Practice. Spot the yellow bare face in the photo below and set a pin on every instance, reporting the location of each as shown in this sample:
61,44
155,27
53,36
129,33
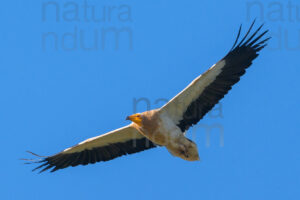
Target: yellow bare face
136,118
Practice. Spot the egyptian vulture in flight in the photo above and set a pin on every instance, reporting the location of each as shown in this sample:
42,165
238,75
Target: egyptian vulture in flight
167,125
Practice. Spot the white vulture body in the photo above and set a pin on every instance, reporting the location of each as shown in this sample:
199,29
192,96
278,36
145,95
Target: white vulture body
166,126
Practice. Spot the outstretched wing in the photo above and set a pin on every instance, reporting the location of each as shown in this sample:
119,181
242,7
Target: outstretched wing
123,141
190,105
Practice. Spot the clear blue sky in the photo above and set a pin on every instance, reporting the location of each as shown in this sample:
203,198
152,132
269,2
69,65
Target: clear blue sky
63,80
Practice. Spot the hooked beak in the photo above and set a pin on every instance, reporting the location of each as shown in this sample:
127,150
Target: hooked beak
136,118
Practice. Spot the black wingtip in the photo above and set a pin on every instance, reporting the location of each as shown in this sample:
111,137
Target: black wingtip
253,40
237,37
40,159
36,154
31,161
241,42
